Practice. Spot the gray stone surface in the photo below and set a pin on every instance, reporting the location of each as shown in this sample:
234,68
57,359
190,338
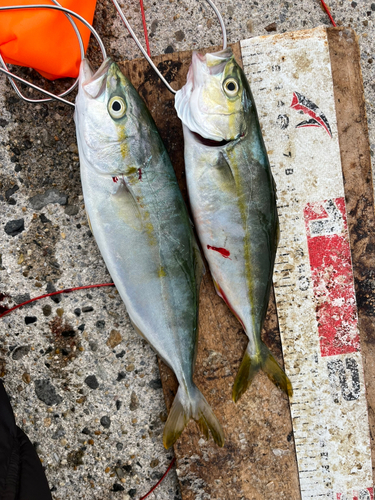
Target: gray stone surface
88,397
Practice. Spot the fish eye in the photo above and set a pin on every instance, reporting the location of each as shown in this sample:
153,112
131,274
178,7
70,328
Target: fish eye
231,87
117,107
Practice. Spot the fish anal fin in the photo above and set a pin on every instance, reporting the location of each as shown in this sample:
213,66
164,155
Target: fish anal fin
138,330
222,295
217,289
88,220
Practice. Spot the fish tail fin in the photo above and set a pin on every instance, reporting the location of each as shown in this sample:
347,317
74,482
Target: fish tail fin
250,365
186,406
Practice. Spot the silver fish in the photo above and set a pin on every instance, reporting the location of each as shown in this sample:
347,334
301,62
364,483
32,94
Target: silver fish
233,199
142,228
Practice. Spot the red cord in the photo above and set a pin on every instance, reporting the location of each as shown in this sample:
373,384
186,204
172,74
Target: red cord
160,480
67,290
328,12
145,27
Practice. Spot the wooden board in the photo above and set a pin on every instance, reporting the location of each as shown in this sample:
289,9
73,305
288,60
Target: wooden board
258,460
359,194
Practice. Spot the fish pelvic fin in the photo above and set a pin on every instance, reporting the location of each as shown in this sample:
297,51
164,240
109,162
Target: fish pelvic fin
250,365
193,405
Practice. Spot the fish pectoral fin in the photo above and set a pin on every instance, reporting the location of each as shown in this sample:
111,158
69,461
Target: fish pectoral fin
128,208
186,406
223,175
250,365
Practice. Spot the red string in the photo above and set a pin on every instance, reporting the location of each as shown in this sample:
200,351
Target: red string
145,27
67,290
328,12
160,480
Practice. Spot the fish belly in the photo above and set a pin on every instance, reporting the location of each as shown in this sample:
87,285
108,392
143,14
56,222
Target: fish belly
145,239
233,206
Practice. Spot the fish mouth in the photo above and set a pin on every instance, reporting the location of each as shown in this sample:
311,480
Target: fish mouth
94,83
212,144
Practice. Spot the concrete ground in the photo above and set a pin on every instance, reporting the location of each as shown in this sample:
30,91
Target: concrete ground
84,387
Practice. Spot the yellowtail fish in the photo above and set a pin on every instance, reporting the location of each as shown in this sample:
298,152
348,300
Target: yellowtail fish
233,199
142,228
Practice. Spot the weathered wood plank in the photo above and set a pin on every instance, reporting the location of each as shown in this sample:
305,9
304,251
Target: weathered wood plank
359,193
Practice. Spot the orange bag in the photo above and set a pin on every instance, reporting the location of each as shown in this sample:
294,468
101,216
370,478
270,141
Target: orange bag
44,39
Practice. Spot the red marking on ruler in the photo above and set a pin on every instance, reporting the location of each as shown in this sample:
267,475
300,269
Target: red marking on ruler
222,251
301,103
332,275
139,174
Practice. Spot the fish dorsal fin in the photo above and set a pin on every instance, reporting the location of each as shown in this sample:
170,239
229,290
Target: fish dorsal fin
274,186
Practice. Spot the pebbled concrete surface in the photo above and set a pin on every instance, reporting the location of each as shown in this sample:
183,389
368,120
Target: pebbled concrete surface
83,385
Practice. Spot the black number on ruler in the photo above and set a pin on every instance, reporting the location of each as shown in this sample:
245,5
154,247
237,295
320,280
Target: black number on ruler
364,495
333,225
303,283
283,121
338,376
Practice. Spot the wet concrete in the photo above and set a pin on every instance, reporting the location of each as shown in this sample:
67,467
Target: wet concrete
83,385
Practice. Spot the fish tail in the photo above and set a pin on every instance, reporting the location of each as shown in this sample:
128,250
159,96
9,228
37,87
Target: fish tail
186,406
251,364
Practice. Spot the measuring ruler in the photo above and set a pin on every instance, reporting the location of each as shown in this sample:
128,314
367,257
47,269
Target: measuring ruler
291,80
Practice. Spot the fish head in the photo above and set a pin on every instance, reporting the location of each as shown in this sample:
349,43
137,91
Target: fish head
111,120
216,98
